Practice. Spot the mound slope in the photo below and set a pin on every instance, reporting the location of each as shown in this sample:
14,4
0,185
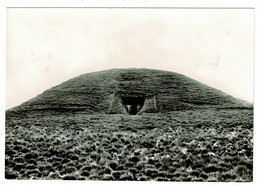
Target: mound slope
191,139
144,90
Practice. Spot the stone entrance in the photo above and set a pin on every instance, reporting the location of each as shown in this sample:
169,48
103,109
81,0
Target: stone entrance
133,104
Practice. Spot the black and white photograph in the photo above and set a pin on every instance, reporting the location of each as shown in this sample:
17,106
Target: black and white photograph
129,94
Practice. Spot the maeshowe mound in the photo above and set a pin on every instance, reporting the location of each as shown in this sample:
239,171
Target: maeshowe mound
130,124
130,91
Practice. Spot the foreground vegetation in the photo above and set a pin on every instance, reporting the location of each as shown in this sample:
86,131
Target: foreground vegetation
201,145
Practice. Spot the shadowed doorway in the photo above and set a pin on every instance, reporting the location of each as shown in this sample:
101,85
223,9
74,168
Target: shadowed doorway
133,104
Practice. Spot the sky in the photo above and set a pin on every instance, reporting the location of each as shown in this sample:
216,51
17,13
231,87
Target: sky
48,46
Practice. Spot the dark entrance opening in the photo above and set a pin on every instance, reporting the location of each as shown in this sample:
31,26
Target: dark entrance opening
133,104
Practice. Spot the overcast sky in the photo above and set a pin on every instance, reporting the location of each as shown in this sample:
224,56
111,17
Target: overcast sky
47,46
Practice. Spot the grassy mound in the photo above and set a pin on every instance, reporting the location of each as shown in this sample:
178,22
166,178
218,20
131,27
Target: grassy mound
92,92
81,130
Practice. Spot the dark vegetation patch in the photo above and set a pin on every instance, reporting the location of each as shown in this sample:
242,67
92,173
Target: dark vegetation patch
202,145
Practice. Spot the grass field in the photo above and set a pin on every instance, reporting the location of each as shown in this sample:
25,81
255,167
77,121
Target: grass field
190,145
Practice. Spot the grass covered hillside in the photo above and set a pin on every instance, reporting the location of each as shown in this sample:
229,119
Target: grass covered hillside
92,92
130,124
